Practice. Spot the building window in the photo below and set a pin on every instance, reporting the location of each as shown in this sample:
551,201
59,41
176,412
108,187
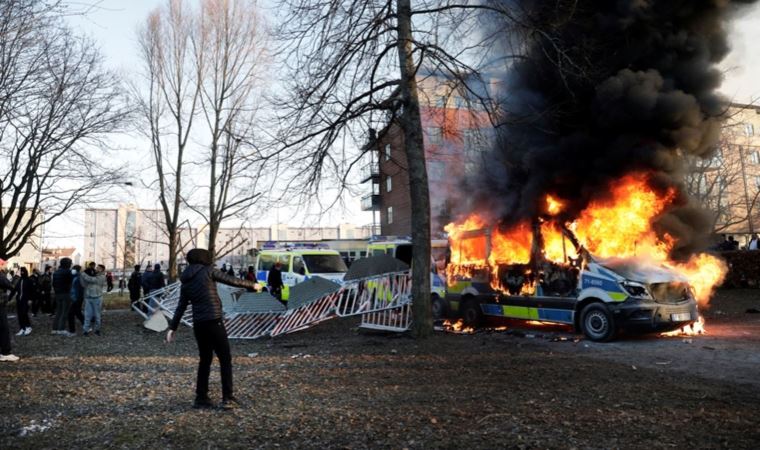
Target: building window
749,129
754,156
388,183
440,101
757,182
434,135
387,152
390,215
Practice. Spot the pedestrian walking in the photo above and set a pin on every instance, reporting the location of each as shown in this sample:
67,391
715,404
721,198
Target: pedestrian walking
109,282
62,279
6,350
24,290
199,290
93,281
77,300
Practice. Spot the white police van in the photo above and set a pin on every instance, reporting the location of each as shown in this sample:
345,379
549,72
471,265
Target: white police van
299,263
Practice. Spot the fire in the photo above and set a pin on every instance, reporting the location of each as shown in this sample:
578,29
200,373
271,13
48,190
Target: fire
704,273
617,224
456,327
622,225
694,329
553,206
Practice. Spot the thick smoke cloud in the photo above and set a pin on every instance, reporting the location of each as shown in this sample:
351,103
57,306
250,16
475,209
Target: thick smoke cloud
606,88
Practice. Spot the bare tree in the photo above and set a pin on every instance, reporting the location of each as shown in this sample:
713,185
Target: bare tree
229,52
56,104
201,67
356,63
168,103
723,185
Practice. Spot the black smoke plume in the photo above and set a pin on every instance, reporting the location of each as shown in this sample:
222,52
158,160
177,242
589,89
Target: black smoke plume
602,89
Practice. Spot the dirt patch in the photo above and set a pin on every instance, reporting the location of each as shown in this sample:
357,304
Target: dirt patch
335,387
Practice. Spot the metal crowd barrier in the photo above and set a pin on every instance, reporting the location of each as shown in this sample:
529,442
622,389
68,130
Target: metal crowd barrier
397,319
382,301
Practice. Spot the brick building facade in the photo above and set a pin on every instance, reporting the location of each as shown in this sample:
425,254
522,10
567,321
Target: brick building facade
455,134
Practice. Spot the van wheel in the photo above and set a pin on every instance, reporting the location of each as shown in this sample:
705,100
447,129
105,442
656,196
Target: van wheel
597,323
472,315
439,306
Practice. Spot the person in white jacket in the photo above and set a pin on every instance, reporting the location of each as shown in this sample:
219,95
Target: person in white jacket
93,281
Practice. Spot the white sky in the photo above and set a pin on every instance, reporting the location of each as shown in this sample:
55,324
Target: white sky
113,26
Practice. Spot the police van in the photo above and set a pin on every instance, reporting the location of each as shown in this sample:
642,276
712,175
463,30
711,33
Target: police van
598,296
299,263
401,249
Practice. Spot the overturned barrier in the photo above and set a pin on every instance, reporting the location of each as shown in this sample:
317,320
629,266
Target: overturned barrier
383,302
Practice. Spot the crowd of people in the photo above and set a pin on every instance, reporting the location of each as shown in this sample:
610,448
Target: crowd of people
728,243
68,295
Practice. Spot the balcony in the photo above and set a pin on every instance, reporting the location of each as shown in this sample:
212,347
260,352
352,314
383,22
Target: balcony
370,172
371,202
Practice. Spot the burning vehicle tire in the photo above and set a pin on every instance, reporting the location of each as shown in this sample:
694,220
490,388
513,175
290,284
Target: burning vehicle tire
439,306
597,323
471,312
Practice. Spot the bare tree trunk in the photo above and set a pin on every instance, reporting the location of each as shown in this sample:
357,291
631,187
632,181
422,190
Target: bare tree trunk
418,180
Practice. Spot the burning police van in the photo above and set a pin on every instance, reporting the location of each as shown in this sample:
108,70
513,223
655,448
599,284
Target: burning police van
544,274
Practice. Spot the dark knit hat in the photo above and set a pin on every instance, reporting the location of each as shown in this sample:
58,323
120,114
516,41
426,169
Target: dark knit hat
199,256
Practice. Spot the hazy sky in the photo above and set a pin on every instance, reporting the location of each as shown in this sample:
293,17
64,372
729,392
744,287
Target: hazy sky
114,23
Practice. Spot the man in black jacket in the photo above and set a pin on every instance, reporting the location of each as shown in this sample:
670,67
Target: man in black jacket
62,279
274,280
134,285
199,290
5,332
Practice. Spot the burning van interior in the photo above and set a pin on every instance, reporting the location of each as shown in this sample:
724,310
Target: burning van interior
541,259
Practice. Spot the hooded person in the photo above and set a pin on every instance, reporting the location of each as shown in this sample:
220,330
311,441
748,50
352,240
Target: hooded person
199,290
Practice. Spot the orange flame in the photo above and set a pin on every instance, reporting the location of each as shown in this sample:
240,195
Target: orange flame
694,329
619,224
553,206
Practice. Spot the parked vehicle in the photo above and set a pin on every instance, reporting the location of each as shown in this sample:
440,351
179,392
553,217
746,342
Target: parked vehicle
597,296
300,264
401,249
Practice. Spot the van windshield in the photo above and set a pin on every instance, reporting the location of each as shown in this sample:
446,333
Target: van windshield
325,264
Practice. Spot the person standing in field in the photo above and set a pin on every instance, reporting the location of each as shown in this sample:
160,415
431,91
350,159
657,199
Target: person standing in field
199,290
24,291
135,285
93,281
274,281
77,300
6,354
62,279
